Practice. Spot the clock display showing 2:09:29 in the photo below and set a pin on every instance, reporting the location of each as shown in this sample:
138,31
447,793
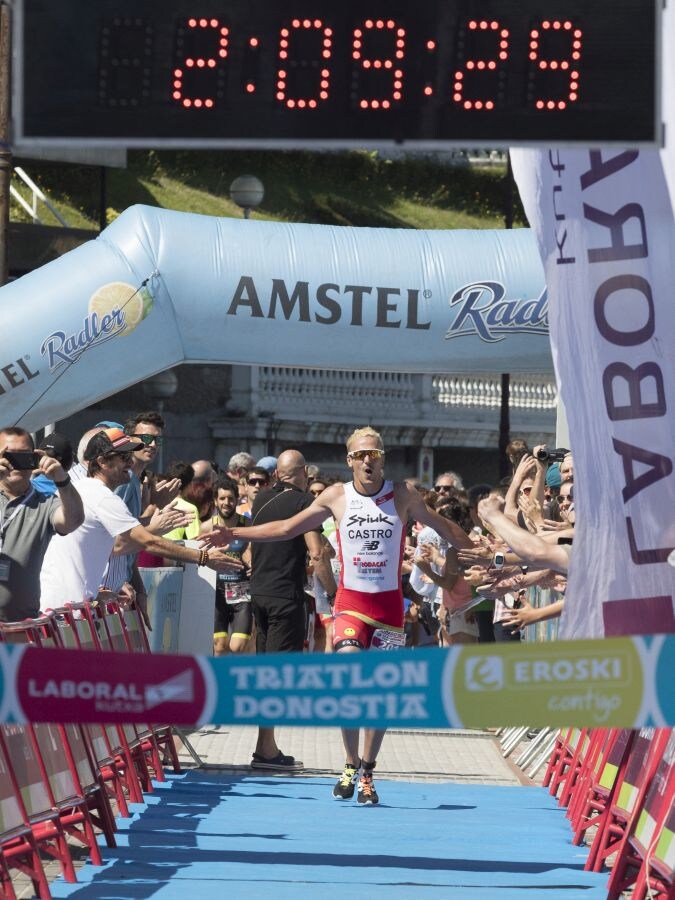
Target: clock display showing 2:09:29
442,71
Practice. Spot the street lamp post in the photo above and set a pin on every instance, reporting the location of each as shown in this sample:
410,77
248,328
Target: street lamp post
247,192
159,388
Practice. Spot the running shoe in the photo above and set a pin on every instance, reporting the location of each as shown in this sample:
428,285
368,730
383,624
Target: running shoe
367,793
344,789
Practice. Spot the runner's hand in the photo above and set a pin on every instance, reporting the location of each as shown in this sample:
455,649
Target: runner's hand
221,562
219,536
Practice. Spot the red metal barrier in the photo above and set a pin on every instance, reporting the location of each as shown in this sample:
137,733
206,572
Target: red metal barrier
623,782
56,781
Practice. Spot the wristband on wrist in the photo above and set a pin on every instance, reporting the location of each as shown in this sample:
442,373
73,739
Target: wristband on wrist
60,484
203,558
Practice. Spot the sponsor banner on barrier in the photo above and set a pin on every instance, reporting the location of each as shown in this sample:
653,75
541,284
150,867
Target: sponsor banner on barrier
621,682
84,686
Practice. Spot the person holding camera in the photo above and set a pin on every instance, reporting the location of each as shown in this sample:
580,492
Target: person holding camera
28,520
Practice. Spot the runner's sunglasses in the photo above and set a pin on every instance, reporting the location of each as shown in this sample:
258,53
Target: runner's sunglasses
149,439
361,454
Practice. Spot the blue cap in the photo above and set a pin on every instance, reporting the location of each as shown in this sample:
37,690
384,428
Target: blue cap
553,478
109,425
268,462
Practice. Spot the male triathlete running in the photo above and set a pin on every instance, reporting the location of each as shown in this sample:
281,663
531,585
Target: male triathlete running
371,515
233,589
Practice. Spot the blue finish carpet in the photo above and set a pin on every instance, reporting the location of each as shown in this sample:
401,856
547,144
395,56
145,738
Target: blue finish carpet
213,835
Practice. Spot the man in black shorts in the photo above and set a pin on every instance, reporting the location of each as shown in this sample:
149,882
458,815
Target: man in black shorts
277,583
233,597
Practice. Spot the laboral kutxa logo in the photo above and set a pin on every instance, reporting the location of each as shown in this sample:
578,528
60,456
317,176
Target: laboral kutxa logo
115,310
480,309
588,683
64,686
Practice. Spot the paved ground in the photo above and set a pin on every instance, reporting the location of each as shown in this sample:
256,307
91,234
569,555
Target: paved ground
455,756
472,757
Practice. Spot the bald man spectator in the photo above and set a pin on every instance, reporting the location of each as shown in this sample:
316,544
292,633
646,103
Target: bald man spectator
200,490
80,468
277,583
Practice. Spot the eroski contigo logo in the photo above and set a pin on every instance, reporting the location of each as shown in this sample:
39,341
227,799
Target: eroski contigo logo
116,308
480,309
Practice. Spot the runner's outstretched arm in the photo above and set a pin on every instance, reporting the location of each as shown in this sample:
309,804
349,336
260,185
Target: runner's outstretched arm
283,529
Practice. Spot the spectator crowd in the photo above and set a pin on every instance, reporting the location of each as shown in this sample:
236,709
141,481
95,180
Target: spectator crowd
83,526
303,561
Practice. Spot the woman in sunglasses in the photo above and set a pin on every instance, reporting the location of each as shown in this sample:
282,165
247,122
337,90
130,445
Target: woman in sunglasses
371,513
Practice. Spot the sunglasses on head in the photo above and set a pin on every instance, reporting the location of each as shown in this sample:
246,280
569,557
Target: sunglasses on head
443,487
257,481
149,439
361,454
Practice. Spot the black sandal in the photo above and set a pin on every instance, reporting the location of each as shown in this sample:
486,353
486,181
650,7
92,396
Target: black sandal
280,762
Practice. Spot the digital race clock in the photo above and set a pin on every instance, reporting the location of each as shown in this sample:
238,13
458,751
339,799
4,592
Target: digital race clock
429,73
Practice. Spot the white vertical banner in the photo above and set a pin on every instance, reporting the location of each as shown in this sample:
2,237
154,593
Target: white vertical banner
604,224
668,94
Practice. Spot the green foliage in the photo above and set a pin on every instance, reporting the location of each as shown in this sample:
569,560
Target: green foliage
345,188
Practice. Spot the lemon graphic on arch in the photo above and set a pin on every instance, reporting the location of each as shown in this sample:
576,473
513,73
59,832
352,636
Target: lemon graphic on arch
134,304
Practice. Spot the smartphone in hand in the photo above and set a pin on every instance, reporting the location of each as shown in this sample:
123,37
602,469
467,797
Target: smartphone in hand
22,460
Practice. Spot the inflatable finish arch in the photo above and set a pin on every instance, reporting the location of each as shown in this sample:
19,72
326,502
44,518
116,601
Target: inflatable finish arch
158,288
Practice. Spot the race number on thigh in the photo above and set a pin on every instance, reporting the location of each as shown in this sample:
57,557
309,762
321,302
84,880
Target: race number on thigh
387,640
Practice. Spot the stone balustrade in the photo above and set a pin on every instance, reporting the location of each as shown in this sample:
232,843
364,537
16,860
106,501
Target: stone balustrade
272,405
526,391
281,388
